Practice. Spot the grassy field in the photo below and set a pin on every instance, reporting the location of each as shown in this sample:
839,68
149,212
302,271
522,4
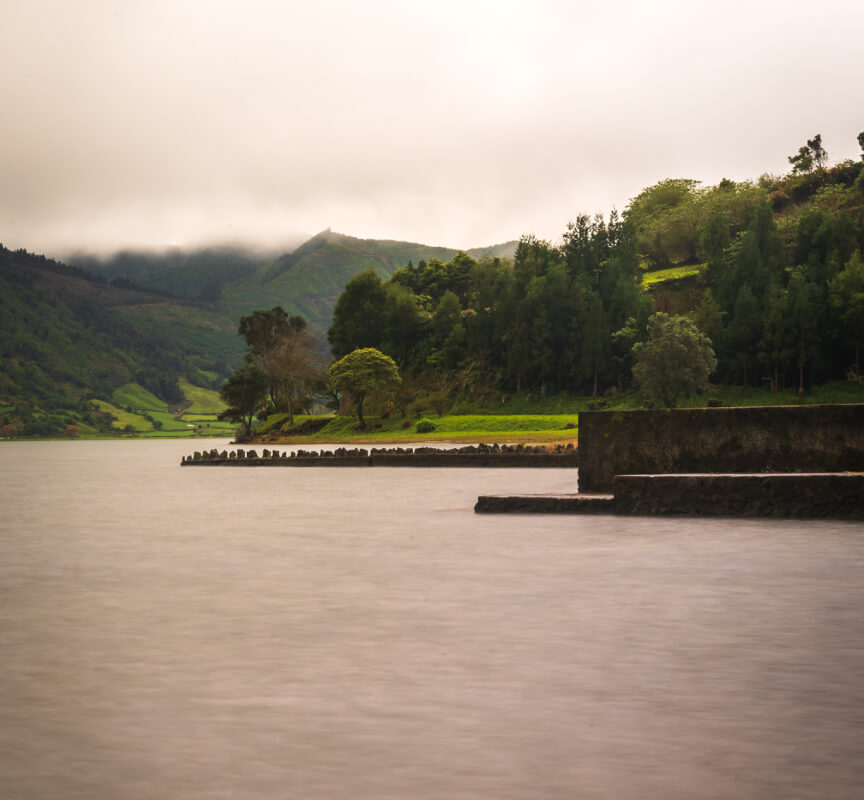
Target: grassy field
135,396
198,419
670,274
485,427
169,421
542,426
204,401
125,418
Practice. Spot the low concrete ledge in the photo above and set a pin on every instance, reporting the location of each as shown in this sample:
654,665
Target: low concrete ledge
780,495
545,504
821,495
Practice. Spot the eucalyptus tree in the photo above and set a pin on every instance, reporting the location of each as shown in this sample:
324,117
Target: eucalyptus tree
283,349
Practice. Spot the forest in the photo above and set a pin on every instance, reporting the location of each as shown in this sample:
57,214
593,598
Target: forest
762,280
768,271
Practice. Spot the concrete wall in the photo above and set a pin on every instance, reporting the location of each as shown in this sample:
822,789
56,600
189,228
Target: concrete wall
727,440
799,496
795,496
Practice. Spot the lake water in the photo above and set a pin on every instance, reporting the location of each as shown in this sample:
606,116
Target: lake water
172,632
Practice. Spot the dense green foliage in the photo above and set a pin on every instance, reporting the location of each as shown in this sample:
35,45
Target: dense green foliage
364,372
768,271
244,393
674,361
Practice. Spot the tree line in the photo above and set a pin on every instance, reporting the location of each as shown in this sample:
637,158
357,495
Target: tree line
775,298
779,292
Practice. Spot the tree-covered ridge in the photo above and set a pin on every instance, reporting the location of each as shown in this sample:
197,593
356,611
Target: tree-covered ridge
776,285
229,282
68,338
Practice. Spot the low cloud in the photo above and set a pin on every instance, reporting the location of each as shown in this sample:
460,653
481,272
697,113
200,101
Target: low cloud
160,123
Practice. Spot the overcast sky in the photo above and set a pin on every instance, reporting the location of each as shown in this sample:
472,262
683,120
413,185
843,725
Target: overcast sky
180,122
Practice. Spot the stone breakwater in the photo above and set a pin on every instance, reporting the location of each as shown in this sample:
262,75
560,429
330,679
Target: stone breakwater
480,455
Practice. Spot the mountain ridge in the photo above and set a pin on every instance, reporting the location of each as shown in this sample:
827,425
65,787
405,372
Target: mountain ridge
75,332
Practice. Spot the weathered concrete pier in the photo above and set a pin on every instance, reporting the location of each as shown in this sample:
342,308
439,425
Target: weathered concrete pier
796,495
481,455
783,461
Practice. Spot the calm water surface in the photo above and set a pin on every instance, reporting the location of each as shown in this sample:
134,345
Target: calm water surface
360,633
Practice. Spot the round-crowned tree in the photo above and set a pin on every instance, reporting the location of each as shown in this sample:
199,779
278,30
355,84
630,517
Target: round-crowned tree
675,361
363,371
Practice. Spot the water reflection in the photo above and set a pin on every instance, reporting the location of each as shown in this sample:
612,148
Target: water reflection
315,633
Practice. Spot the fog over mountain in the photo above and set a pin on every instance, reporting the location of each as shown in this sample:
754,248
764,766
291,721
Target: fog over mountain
182,123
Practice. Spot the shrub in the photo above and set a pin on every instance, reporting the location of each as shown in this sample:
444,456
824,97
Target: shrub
406,423
424,425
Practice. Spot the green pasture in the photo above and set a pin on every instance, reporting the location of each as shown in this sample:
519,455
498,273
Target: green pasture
204,401
211,424
133,395
124,418
670,274
475,427
169,421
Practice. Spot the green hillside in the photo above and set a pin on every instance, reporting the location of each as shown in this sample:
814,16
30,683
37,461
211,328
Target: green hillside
227,283
69,338
147,331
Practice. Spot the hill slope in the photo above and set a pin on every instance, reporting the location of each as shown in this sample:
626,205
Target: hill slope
73,334
227,283
67,337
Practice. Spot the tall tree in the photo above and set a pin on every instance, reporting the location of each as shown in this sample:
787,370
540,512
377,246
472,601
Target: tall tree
775,326
293,366
358,319
802,161
820,155
273,340
802,322
742,336
262,329
811,155
446,332
847,299
244,392
596,343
